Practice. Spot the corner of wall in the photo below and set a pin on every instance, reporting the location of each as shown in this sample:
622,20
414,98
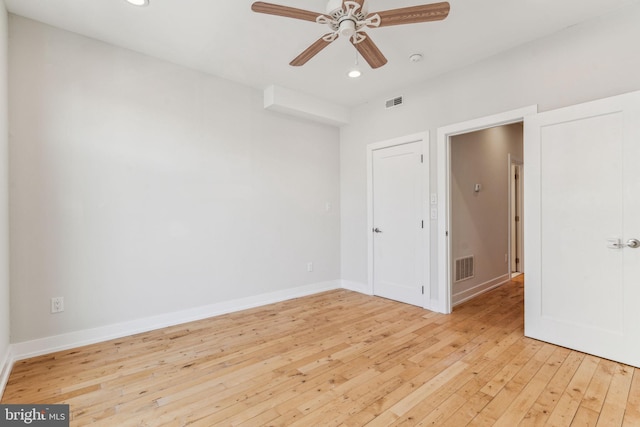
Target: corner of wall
351,285
6,357
6,364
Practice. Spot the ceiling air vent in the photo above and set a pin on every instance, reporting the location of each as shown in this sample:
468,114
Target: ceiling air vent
393,102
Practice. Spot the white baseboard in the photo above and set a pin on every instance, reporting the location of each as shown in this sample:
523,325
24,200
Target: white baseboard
463,296
362,288
6,364
37,347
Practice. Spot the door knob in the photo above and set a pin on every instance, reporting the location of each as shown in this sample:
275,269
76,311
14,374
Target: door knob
377,230
633,243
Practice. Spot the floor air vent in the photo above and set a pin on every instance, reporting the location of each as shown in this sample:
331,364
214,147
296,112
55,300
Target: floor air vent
393,102
464,268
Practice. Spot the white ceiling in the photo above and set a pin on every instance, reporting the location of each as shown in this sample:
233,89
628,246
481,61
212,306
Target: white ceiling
227,39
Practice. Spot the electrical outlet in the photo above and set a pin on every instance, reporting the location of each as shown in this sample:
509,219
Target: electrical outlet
309,267
57,304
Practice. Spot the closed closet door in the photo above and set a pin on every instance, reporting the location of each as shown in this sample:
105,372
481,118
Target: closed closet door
582,214
397,249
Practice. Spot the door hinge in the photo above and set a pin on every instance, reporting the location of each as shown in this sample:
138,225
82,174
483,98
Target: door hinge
446,233
517,260
517,217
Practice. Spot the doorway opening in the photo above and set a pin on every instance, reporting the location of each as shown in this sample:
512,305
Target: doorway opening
480,230
469,233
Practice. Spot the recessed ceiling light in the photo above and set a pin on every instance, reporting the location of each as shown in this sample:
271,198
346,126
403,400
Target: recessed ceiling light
354,74
138,2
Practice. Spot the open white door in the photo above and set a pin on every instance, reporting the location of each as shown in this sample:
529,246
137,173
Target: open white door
582,214
398,261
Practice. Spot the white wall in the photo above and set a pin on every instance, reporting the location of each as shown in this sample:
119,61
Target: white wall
584,62
140,187
480,220
4,198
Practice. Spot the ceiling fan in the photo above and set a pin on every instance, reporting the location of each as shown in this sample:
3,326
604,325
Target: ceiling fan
349,18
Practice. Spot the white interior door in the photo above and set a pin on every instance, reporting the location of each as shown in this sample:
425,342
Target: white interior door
582,213
397,223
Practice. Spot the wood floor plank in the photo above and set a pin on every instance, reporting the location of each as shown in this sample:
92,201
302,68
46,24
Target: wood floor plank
472,407
528,365
632,412
570,400
585,417
599,386
548,400
336,358
615,403
521,404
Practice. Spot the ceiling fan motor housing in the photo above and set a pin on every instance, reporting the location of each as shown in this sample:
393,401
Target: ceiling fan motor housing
335,6
347,28
347,19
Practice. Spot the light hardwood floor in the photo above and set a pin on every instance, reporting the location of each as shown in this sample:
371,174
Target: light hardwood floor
337,358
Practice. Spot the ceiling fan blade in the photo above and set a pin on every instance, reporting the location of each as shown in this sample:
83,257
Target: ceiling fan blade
286,11
370,52
310,52
414,14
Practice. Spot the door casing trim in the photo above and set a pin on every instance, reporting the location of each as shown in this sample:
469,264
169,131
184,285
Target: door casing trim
442,303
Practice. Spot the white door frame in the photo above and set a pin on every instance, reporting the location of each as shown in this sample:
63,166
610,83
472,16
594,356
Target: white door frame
519,226
423,138
442,303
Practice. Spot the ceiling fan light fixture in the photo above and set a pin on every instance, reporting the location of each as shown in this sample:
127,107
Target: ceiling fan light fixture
354,73
140,3
347,28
